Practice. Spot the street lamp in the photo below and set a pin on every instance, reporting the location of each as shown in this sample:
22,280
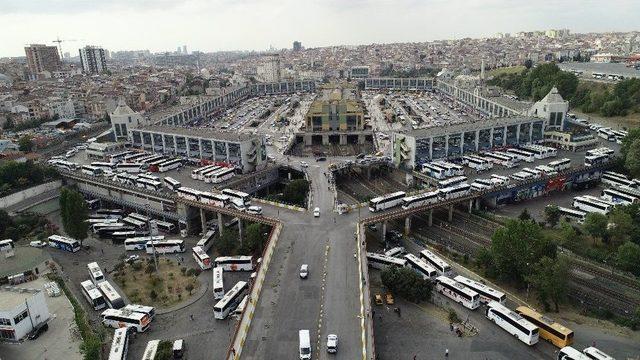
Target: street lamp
147,206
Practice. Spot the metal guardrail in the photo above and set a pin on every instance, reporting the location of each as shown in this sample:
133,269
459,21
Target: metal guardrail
231,212
117,186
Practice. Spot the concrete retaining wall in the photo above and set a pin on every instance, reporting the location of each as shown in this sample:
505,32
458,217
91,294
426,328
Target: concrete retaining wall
25,194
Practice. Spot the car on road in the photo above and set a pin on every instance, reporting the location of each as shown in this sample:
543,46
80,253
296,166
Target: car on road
38,244
316,212
378,299
38,331
389,299
133,258
304,164
304,271
332,343
254,210
321,158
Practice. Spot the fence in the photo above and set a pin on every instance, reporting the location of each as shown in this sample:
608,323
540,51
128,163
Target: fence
25,194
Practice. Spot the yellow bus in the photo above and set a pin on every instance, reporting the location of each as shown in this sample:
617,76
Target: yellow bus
550,330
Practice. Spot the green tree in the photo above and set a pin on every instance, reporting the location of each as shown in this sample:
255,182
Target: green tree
165,350
632,158
25,143
552,215
254,239
9,124
189,288
549,278
295,192
227,243
74,213
628,257
595,224
634,134
406,283
621,226
524,215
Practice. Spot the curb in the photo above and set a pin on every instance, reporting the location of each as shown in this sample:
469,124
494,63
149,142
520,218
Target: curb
280,205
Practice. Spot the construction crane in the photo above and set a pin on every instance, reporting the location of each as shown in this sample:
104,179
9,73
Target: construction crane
60,41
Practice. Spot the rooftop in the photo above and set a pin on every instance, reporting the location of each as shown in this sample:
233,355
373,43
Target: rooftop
26,258
198,132
10,296
483,124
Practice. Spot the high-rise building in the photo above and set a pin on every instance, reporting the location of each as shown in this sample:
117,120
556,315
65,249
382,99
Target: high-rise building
93,60
179,50
42,58
297,46
269,70
184,49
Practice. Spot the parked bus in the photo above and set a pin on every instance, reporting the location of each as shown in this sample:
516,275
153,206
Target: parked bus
104,166
240,308
207,240
134,222
165,226
120,236
189,194
601,150
110,213
134,157
423,269
540,152
169,165
230,300
573,214
569,353
616,179
522,155
434,260
451,169
386,201
522,175
595,160
590,205
125,178
452,181
95,273
124,318
486,293
150,311
93,295
202,259
110,294
196,172
500,180
596,354
545,170
64,243
457,292
97,226
165,246
119,344
477,163
119,157
560,165
434,171
203,176
130,168
221,176
606,134
455,191
627,190
171,183
209,198
152,185
382,261
151,350
239,195
7,244
151,159
91,170
423,199
140,243
218,283
235,263
482,184
549,330
618,197
500,159
512,323
536,173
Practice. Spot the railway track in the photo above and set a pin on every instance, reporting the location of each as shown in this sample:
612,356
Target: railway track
594,293
605,274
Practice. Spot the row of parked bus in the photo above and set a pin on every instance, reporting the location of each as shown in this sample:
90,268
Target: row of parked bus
235,199
598,156
612,135
118,226
526,324
622,191
214,174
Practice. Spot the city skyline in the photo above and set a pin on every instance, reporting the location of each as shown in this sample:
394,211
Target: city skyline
162,25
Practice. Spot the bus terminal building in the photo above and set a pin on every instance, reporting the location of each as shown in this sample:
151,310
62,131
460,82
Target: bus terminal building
244,151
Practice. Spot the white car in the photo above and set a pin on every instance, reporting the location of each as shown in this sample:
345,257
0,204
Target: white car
304,271
254,210
332,343
38,244
316,212
133,258
304,164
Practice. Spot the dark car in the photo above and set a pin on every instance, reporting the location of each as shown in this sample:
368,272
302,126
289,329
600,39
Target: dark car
321,158
38,331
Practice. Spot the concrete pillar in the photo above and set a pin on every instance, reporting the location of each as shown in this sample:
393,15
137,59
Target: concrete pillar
530,132
504,136
446,145
203,220
368,172
240,230
384,231
491,137
478,204
430,148
477,140
470,205
518,134
343,139
220,224
361,139
430,217
407,225
325,139
450,212
462,143
289,175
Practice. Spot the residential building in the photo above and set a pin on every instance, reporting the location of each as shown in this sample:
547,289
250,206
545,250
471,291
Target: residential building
93,60
269,70
42,58
21,311
297,46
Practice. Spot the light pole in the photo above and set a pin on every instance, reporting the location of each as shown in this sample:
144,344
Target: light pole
153,246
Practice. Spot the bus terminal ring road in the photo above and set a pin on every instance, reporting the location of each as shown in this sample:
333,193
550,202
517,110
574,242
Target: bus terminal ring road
324,304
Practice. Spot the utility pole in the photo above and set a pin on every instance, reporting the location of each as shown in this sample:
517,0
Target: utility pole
153,245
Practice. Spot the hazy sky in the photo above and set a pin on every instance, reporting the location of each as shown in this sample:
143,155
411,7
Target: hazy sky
211,25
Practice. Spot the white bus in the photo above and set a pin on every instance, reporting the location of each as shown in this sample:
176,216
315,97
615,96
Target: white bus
207,240
455,191
457,292
596,354
209,198
221,176
189,193
628,190
96,227
110,213
91,170
540,152
423,199
196,172
235,194
150,350
150,159
512,322
482,184
95,273
135,222
536,173
204,175
500,159
573,214
382,261
452,181
500,180
230,300
139,243
477,163
202,259
616,179
125,318
243,304
434,260
152,185
235,263
562,164
165,246
125,178
522,175
423,269
148,176
600,151
590,205
111,296
150,311
607,134
522,155
434,171
64,243
218,283
169,165
452,169
546,170
386,201
171,183
165,226
102,165
93,295
118,157
130,168
569,353
618,197
7,244
396,251
486,293
119,344
595,160
135,156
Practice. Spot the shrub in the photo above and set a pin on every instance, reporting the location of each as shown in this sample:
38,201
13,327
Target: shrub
453,316
153,294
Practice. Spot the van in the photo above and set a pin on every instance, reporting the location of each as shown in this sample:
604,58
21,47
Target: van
178,349
254,210
304,271
305,345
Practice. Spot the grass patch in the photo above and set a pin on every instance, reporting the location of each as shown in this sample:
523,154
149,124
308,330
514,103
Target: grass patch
91,340
169,286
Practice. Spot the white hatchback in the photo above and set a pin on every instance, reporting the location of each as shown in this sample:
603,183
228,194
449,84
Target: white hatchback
316,212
